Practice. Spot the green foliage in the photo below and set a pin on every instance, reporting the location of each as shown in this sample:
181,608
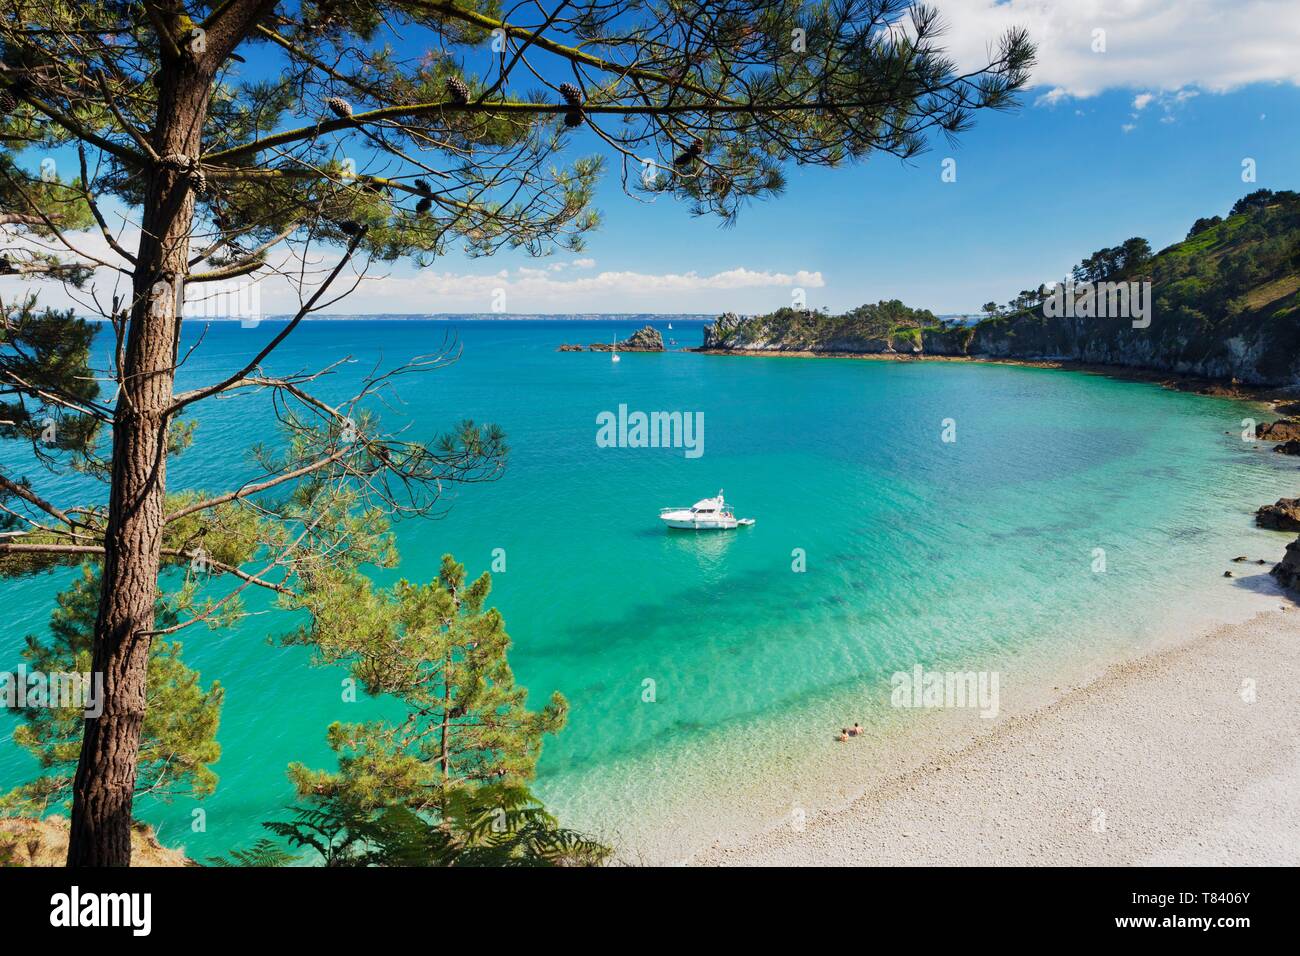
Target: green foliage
1202,224
1113,261
439,651
884,322
45,378
1262,199
447,785
264,853
178,742
495,825
651,80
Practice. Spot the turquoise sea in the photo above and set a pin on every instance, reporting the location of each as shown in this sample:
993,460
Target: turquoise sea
952,554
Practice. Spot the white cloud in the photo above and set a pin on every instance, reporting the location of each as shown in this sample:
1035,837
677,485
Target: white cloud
538,290
565,286
1150,45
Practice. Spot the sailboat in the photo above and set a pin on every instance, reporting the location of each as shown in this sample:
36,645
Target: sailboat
613,352
670,326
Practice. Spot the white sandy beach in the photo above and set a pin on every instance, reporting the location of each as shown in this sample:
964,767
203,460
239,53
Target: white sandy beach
1164,759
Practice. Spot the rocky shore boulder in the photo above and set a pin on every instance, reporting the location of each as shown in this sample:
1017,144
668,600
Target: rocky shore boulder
1291,447
1283,516
569,348
1288,571
647,339
1285,429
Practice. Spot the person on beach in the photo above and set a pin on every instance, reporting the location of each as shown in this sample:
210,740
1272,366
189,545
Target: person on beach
856,731
844,734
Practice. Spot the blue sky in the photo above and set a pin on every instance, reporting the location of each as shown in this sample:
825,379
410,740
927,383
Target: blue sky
1140,117
1138,137
1035,191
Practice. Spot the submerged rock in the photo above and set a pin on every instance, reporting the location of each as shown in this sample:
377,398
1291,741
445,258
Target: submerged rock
1288,570
569,348
1283,516
1291,447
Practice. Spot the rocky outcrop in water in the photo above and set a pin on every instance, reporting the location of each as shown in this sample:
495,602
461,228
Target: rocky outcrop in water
646,339
1283,516
880,328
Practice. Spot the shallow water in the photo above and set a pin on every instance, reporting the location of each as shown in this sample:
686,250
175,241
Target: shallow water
954,554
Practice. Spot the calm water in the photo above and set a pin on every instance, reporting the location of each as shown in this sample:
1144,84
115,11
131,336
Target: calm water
916,549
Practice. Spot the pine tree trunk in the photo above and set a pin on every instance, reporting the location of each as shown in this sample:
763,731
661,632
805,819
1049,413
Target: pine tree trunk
105,782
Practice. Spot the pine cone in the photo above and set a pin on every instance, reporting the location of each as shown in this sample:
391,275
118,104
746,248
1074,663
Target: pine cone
692,153
339,107
572,96
457,90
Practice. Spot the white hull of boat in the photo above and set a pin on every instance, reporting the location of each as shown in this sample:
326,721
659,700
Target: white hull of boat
687,523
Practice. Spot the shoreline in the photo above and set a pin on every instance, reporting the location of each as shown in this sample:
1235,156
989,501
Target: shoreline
745,791
1283,399
1159,759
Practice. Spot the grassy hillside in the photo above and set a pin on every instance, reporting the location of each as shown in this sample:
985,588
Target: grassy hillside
1226,304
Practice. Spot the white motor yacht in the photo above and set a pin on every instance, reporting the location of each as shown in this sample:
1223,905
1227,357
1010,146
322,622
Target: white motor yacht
708,514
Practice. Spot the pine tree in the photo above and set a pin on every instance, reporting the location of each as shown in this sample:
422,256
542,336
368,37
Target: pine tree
220,175
442,653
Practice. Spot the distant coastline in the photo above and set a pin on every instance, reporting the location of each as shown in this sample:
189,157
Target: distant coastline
1283,399
500,317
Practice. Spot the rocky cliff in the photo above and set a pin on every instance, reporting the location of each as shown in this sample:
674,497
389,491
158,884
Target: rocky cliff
1223,304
